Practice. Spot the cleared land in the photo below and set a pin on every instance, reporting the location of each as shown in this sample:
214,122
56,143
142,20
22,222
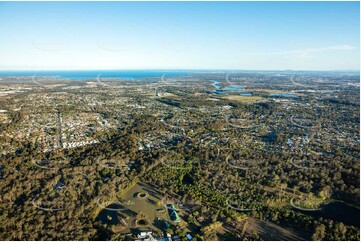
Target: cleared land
148,208
272,231
246,99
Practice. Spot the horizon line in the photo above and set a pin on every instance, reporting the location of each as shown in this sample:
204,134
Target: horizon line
175,69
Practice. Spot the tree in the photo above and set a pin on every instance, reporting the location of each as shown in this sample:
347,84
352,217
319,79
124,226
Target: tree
244,227
169,231
319,233
325,192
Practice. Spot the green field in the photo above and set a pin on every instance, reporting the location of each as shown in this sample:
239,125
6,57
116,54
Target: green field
245,99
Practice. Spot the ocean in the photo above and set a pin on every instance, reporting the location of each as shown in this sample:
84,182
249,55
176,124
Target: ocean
88,74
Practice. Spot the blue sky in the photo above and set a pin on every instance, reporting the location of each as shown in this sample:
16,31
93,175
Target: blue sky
180,35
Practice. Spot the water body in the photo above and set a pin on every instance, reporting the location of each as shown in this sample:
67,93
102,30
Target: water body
284,95
216,84
226,90
220,92
89,74
218,88
246,94
338,211
234,88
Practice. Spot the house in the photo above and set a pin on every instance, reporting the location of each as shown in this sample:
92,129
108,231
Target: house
176,238
142,235
166,225
173,213
200,218
146,236
59,185
189,237
289,142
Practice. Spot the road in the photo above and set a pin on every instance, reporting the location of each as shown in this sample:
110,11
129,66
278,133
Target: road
60,136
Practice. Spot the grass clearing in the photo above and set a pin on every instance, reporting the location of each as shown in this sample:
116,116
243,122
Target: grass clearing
145,206
266,90
168,94
272,231
246,99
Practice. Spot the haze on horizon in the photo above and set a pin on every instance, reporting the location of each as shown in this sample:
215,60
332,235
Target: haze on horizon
180,35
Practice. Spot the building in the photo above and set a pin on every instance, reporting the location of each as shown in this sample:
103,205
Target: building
200,218
173,213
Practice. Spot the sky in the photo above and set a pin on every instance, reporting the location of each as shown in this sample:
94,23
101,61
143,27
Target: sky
180,35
